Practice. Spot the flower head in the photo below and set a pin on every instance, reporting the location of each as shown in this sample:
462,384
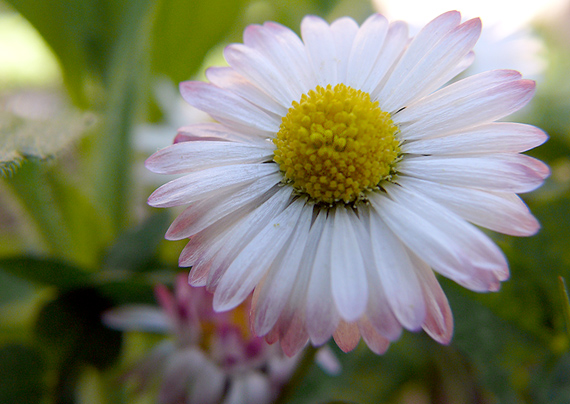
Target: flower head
342,171
209,353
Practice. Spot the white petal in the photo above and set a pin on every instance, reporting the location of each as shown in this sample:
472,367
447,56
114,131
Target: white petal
281,277
253,261
397,274
432,71
249,387
446,242
439,320
255,67
138,318
501,212
322,316
321,50
378,311
496,137
204,246
286,50
179,374
228,78
228,108
475,100
202,184
348,275
204,213
189,156
394,45
343,30
423,42
209,385
365,49
212,131
375,341
498,172
244,232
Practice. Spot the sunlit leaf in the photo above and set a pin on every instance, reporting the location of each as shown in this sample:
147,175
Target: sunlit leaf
37,124
185,30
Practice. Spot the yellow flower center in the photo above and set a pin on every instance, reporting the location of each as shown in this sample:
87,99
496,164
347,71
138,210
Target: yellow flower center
335,144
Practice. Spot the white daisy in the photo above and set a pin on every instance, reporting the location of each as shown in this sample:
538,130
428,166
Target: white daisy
341,172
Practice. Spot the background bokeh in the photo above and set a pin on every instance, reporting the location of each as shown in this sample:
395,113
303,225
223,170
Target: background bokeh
88,90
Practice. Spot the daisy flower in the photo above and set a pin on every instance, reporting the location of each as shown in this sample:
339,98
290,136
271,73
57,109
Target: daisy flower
210,358
342,172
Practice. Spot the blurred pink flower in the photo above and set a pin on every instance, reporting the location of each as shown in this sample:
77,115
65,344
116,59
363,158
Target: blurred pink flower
211,357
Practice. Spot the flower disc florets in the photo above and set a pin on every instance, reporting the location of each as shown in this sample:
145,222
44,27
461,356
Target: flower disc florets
335,143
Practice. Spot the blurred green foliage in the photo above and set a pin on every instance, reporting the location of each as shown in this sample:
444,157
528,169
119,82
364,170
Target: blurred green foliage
74,242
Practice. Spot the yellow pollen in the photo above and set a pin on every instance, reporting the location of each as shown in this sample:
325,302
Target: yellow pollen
335,144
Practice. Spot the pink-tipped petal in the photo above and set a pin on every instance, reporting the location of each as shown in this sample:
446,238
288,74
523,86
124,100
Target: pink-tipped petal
347,336
375,341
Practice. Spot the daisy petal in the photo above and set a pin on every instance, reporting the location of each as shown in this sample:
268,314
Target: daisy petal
498,172
375,341
204,213
424,41
207,183
500,212
137,318
473,101
439,320
347,336
399,280
348,275
343,30
450,245
228,108
365,49
286,50
321,50
217,132
496,137
433,69
189,156
322,319
280,278
255,67
252,262
228,78
244,232
378,310
394,45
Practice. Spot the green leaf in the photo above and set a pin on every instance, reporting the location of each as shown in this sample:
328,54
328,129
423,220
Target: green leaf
128,72
46,271
12,287
565,302
134,249
504,354
70,326
186,30
21,373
